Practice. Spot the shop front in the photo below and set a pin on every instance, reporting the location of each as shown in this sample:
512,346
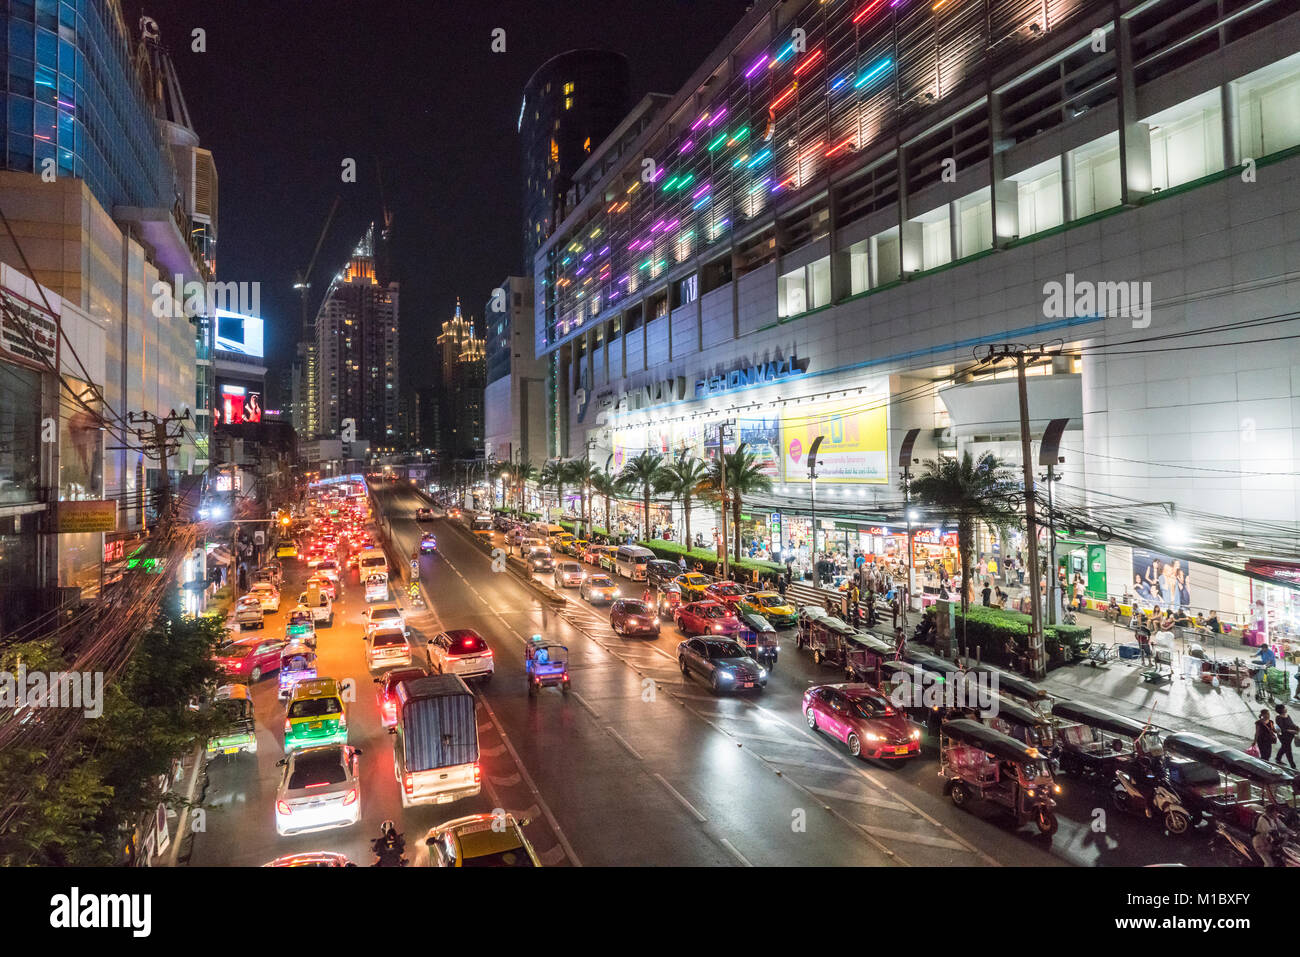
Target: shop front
1275,608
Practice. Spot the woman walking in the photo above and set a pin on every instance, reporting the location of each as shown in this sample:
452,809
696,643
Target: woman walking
1265,735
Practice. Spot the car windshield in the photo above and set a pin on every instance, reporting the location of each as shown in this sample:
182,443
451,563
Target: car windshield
729,589
869,706
235,651
771,601
314,707
636,608
394,678
234,709
571,567
317,770
384,639
724,649
600,581
378,614
712,611
466,642
298,663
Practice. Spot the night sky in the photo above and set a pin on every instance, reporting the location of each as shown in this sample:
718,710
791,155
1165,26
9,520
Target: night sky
288,88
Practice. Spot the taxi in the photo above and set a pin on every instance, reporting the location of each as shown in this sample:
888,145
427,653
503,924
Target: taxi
234,703
578,547
315,715
773,607
478,840
287,550
598,588
693,585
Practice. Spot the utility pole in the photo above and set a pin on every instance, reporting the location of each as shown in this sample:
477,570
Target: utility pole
160,441
905,463
586,487
724,433
1020,354
812,482
1049,455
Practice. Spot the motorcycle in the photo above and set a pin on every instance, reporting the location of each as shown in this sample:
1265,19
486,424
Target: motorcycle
388,847
1141,789
1241,846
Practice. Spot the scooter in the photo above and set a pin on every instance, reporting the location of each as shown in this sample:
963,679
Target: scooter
1285,851
1140,790
388,847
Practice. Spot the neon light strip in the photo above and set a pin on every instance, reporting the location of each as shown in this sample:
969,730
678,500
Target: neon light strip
883,65
717,116
696,125
718,141
841,146
780,100
868,9
758,65
807,62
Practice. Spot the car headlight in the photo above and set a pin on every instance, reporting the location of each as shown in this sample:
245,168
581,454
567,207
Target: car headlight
725,675
872,737
916,735
614,593
762,672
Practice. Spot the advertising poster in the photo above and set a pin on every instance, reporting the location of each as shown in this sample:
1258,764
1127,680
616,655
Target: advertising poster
855,447
1164,582
763,438
239,405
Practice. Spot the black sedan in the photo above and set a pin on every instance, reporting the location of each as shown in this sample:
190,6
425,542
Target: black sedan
630,616
721,662
659,573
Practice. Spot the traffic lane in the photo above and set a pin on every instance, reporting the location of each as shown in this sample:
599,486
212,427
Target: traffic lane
240,826
724,805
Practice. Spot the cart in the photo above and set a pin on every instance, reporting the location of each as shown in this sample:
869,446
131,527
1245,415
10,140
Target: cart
376,588
546,664
828,638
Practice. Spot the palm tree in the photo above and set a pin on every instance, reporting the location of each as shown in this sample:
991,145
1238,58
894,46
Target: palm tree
580,473
524,473
646,470
744,477
553,476
682,479
969,492
606,486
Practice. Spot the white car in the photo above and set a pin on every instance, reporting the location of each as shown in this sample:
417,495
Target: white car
424,515
330,569
387,647
569,575
320,788
384,615
266,594
461,651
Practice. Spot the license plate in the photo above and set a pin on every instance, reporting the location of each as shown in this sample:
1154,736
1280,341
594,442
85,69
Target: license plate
315,725
444,798
747,684
230,751
901,750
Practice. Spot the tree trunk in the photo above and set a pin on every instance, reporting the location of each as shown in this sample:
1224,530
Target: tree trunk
963,556
686,519
735,521
645,519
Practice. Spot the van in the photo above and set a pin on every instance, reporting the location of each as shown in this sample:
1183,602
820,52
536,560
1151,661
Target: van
544,530
435,751
372,561
482,523
630,561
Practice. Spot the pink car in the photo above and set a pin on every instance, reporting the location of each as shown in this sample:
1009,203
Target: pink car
863,718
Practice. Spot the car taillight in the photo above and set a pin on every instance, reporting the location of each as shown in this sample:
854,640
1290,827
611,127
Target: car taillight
288,726
282,807
478,773
343,722
406,783
353,794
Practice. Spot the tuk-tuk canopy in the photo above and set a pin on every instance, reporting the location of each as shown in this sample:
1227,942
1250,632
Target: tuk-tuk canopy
1001,746
1098,718
872,643
297,650
1013,685
929,662
1226,760
1018,714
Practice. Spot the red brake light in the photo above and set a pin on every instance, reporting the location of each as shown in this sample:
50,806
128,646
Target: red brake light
478,773
469,642
406,782
287,726
351,798
282,807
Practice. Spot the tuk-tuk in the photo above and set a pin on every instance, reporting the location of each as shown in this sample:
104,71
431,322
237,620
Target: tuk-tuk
236,704
979,762
297,663
670,598
864,657
827,636
1023,723
301,627
546,664
1014,686
376,587
758,638
1082,749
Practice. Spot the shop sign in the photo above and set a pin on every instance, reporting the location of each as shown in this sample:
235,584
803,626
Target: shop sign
98,515
1280,570
656,393
744,376
28,334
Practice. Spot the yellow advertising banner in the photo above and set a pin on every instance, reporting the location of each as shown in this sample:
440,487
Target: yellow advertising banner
88,516
855,444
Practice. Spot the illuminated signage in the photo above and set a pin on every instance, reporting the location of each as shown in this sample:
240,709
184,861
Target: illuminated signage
238,334
238,405
741,377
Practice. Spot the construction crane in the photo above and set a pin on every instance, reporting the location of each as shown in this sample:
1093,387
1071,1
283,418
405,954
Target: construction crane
302,282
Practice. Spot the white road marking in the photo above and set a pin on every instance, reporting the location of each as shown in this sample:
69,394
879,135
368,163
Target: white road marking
583,701
859,799
776,738
907,837
623,741
744,861
682,800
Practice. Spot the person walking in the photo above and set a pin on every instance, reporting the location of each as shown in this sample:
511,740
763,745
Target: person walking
1286,732
781,582
1265,734
1143,629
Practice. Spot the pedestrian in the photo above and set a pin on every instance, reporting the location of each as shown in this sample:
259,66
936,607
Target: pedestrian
681,562
1143,629
986,593
781,582
1265,734
1286,731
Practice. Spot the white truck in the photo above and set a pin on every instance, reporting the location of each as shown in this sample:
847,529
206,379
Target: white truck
435,749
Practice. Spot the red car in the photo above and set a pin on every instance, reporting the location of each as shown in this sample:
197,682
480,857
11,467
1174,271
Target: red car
863,718
706,618
630,616
727,593
387,692
251,658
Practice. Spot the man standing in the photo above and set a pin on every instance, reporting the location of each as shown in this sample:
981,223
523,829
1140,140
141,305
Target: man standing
986,593
1286,731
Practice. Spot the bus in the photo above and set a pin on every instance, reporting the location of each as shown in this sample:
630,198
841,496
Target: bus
372,561
630,561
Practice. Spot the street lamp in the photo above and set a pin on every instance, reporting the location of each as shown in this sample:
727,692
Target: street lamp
812,479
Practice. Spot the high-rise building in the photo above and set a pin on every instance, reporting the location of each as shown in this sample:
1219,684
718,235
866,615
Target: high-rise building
514,398
460,419
112,203
356,348
570,105
853,203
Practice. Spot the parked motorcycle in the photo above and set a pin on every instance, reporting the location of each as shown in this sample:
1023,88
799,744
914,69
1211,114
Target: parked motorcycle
1240,846
1142,789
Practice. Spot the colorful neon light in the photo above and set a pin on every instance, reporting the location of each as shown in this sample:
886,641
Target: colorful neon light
758,65
780,100
868,10
808,62
874,72
718,141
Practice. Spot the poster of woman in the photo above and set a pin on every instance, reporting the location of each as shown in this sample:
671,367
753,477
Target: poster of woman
1161,580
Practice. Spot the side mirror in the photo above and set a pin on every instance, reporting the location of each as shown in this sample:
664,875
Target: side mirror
392,731
282,762
357,752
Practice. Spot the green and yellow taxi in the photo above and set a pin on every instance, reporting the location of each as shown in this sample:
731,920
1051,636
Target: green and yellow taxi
561,542
287,550
693,585
769,604
235,706
577,547
315,715
606,558
478,840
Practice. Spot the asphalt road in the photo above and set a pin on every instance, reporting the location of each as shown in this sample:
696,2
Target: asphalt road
638,765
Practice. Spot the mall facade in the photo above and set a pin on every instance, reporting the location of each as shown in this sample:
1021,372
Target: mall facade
850,200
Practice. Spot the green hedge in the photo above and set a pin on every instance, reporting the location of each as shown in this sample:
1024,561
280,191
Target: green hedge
989,629
672,551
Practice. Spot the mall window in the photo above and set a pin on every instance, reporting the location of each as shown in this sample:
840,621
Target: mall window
1096,176
936,238
886,257
974,223
1186,141
859,268
1268,108
20,425
808,287
1038,191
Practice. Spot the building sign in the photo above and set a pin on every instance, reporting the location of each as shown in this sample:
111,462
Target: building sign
28,334
742,377
88,516
656,393
855,440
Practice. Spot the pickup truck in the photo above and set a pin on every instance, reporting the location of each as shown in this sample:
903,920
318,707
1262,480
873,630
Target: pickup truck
435,747
318,602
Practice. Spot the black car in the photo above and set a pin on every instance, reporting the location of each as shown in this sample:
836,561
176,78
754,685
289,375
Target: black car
722,663
659,573
424,515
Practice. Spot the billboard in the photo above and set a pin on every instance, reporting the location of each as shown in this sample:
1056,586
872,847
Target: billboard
855,447
87,515
236,404
238,334
1162,581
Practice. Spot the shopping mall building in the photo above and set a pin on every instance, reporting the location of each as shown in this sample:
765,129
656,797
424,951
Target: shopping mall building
851,199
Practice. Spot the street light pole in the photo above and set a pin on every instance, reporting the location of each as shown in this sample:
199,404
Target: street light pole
812,481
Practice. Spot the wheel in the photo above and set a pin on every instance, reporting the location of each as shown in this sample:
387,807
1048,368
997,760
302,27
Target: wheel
532,689
812,719
960,794
255,674
1119,798
1046,821
685,671
717,685
564,687
818,657
1177,822
855,745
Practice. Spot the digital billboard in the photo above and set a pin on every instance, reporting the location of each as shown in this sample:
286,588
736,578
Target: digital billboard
855,447
236,404
238,334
